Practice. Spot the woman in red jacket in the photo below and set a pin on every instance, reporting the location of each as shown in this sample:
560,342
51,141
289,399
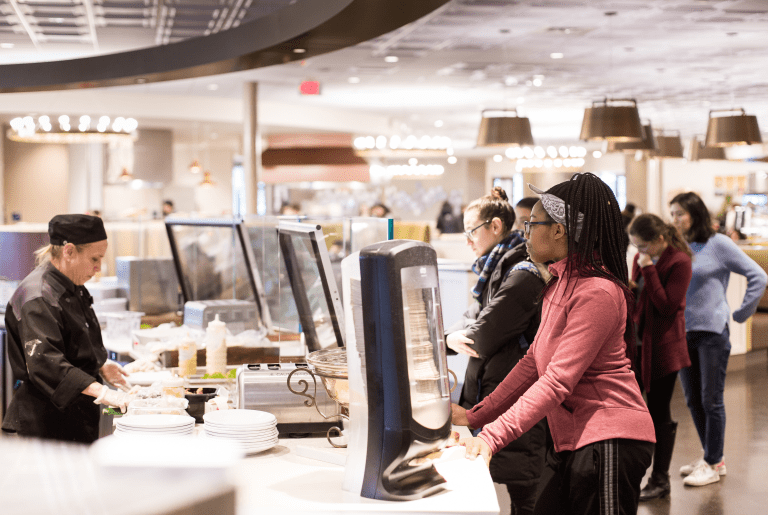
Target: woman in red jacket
662,272
577,372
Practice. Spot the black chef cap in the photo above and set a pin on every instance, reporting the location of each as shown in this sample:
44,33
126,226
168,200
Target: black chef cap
77,229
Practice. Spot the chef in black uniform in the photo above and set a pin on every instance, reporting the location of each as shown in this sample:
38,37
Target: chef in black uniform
55,348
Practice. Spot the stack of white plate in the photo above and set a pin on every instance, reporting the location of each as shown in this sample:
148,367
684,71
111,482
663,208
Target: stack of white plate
158,425
255,431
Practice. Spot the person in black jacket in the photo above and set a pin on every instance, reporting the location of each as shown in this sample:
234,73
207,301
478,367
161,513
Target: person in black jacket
55,348
496,330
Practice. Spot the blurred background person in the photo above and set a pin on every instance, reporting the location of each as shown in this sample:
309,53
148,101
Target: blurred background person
496,331
449,221
290,209
523,212
707,317
379,211
168,207
661,272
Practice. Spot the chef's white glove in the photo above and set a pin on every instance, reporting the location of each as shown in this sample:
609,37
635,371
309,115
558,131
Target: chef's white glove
114,374
114,398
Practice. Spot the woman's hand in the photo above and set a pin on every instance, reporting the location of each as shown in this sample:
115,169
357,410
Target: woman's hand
115,375
476,447
644,260
458,341
458,415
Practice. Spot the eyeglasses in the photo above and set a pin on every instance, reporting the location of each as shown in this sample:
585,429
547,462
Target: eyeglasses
470,234
529,224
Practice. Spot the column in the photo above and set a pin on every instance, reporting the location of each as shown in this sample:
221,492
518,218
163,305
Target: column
251,146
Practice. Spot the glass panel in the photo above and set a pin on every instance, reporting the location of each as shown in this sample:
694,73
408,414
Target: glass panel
212,262
262,234
425,349
303,264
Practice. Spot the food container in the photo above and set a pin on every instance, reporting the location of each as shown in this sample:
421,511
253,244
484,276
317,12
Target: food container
121,324
187,357
197,402
173,387
331,366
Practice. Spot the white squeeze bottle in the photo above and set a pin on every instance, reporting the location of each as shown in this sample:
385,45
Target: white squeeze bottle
216,347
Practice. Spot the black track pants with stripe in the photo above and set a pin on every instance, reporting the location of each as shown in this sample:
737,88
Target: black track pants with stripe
602,478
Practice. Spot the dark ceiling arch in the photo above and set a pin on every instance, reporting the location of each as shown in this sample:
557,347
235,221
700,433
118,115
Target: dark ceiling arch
318,26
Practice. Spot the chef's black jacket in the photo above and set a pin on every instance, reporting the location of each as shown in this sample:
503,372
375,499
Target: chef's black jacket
55,350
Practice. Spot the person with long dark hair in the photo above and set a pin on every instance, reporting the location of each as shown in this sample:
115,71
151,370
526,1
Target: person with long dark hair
661,272
707,318
496,330
578,371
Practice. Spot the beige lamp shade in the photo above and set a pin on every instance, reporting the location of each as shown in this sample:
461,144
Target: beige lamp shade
647,143
504,128
610,120
725,131
668,145
699,151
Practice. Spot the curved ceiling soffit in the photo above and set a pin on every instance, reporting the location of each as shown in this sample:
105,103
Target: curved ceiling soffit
318,26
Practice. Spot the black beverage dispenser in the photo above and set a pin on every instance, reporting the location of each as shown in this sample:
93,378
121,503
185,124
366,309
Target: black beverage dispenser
404,368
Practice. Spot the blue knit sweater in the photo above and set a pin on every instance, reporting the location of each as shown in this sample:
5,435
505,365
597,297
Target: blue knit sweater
706,306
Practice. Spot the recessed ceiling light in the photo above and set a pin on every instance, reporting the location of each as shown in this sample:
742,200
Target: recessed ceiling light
7,45
299,50
353,80
438,123
452,160
556,55
521,100
391,59
597,154
213,87
498,158
537,82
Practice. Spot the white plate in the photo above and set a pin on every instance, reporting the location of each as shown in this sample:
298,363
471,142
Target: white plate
242,440
253,450
255,434
155,421
239,431
239,418
129,430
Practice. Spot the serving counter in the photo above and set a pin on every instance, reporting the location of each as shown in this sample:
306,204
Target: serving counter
41,477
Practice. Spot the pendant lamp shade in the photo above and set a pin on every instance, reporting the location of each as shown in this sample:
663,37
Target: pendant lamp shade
504,128
700,151
668,145
725,131
612,120
647,143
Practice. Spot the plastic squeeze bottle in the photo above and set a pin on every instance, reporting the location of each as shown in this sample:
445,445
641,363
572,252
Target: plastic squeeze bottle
216,347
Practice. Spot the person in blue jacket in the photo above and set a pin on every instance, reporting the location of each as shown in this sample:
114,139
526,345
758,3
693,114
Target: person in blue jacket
707,318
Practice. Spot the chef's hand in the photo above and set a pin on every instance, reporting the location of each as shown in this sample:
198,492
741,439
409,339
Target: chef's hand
644,260
115,375
476,447
116,398
458,415
458,341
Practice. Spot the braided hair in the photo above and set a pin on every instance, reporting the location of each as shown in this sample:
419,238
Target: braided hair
495,205
599,247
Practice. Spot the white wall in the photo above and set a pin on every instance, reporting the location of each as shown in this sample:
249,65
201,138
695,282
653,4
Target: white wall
185,191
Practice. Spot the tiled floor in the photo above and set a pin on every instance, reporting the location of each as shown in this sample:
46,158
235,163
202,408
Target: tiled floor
744,491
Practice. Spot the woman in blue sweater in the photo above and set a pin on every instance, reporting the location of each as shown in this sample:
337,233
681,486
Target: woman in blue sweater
707,316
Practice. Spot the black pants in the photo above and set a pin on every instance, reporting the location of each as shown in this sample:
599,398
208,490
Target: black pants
602,478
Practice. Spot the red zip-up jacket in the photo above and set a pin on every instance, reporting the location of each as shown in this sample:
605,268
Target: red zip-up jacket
576,373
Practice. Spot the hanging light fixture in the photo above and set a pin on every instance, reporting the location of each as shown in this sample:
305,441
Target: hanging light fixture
126,175
83,129
613,120
668,145
207,181
647,143
504,128
725,131
700,151
195,167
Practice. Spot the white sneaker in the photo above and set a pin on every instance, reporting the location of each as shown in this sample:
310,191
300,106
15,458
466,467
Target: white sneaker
703,474
687,470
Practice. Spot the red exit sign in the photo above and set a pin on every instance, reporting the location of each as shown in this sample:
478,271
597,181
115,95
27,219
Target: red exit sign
309,87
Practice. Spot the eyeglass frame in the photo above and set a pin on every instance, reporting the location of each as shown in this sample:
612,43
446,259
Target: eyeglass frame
527,225
470,233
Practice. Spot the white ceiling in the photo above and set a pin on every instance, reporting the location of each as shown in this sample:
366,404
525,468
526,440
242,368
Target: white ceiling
677,58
